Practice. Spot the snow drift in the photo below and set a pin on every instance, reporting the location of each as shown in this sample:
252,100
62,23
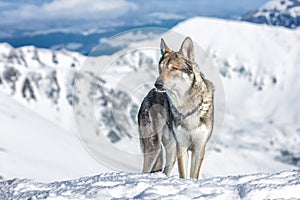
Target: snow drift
283,185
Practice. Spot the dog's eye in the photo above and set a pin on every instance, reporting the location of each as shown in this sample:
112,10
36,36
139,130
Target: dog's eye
173,68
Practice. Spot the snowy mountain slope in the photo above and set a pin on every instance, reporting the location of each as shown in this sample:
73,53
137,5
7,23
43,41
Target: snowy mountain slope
276,12
32,147
283,185
40,78
258,65
44,79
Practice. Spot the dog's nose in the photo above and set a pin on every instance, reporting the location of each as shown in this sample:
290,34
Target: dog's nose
159,84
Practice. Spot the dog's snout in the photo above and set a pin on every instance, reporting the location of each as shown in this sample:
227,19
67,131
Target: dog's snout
159,84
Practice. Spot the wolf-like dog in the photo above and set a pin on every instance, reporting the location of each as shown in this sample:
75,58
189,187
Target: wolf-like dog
177,115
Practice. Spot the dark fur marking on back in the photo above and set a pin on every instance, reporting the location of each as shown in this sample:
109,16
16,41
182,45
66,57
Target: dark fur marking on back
154,98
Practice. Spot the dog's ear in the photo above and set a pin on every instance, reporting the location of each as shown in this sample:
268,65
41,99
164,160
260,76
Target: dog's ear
163,47
187,49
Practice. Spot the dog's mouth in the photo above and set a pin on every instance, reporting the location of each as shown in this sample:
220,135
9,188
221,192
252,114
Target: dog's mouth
165,89
160,90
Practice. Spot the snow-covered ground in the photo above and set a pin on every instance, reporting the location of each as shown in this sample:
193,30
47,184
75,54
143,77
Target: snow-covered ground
282,185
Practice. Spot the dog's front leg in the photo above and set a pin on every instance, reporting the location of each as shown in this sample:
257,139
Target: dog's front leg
197,158
169,144
170,157
182,158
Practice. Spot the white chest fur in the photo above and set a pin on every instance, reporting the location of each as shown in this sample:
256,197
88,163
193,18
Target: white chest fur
192,138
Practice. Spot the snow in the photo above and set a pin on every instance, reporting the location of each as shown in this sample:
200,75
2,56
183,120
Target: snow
35,148
277,4
121,185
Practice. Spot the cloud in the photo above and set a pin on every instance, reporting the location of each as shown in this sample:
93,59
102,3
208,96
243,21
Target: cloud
31,17
126,38
5,4
165,16
69,10
70,46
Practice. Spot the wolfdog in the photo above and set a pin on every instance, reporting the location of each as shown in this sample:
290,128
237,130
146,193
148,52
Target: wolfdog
177,115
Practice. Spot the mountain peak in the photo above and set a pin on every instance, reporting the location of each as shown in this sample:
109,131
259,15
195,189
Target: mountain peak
277,13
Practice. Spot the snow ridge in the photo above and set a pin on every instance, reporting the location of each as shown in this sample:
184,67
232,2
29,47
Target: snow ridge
152,186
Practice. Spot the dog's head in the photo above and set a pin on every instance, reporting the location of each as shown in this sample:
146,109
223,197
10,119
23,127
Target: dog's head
176,74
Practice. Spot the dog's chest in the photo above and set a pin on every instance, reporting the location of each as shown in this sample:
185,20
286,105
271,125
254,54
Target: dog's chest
192,137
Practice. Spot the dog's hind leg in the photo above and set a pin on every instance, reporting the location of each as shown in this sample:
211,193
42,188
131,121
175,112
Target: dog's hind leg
150,141
152,154
158,141
152,162
157,115
152,119
158,165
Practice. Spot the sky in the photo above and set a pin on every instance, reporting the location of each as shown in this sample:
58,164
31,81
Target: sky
60,24
31,14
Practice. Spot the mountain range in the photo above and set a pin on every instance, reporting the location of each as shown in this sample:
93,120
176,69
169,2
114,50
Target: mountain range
284,13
